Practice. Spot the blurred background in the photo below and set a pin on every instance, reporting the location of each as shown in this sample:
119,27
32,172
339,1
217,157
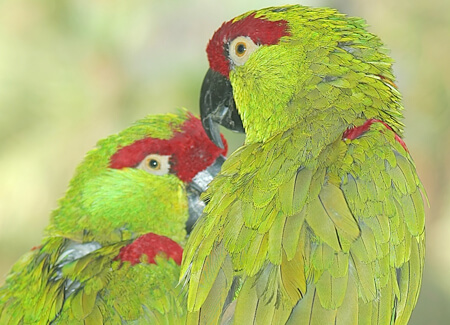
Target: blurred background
75,71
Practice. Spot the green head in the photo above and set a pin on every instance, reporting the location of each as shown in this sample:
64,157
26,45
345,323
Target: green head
295,64
147,178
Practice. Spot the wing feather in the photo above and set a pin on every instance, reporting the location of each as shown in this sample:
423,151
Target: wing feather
330,239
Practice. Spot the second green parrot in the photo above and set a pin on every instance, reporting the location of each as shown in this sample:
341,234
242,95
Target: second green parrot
319,217
112,251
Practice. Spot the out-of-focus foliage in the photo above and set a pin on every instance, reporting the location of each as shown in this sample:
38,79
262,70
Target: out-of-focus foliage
74,71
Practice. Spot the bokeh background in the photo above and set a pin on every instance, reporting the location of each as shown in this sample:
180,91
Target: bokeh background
75,71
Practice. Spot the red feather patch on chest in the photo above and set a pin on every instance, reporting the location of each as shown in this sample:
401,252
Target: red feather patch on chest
190,151
261,31
151,245
357,131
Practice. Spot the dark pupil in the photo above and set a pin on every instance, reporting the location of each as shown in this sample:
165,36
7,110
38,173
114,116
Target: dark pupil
240,48
153,163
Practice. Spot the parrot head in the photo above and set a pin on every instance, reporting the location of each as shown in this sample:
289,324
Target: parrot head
278,66
147,178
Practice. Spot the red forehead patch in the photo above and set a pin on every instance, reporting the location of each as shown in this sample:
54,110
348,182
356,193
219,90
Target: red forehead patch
190,151
261,31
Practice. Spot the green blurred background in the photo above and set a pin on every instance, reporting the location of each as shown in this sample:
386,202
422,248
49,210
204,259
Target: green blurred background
72,72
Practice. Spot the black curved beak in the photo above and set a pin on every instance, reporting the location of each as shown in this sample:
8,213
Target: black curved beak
217,106
196,187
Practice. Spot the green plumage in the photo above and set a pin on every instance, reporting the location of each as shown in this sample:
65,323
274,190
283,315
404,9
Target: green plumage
314,227
75,276
37,291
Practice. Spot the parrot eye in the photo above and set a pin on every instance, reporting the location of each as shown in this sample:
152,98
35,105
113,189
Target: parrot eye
240,49
155,164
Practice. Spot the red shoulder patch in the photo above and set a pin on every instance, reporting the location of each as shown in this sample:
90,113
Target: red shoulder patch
36,247
260,30
357,131
151,245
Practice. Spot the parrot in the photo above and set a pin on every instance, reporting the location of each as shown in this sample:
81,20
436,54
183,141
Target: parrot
318,218
113,246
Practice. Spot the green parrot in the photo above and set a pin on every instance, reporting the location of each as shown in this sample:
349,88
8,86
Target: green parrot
113,248
319,217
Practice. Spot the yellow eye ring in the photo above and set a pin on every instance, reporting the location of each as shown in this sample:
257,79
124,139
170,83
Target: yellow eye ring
240,48
155,164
